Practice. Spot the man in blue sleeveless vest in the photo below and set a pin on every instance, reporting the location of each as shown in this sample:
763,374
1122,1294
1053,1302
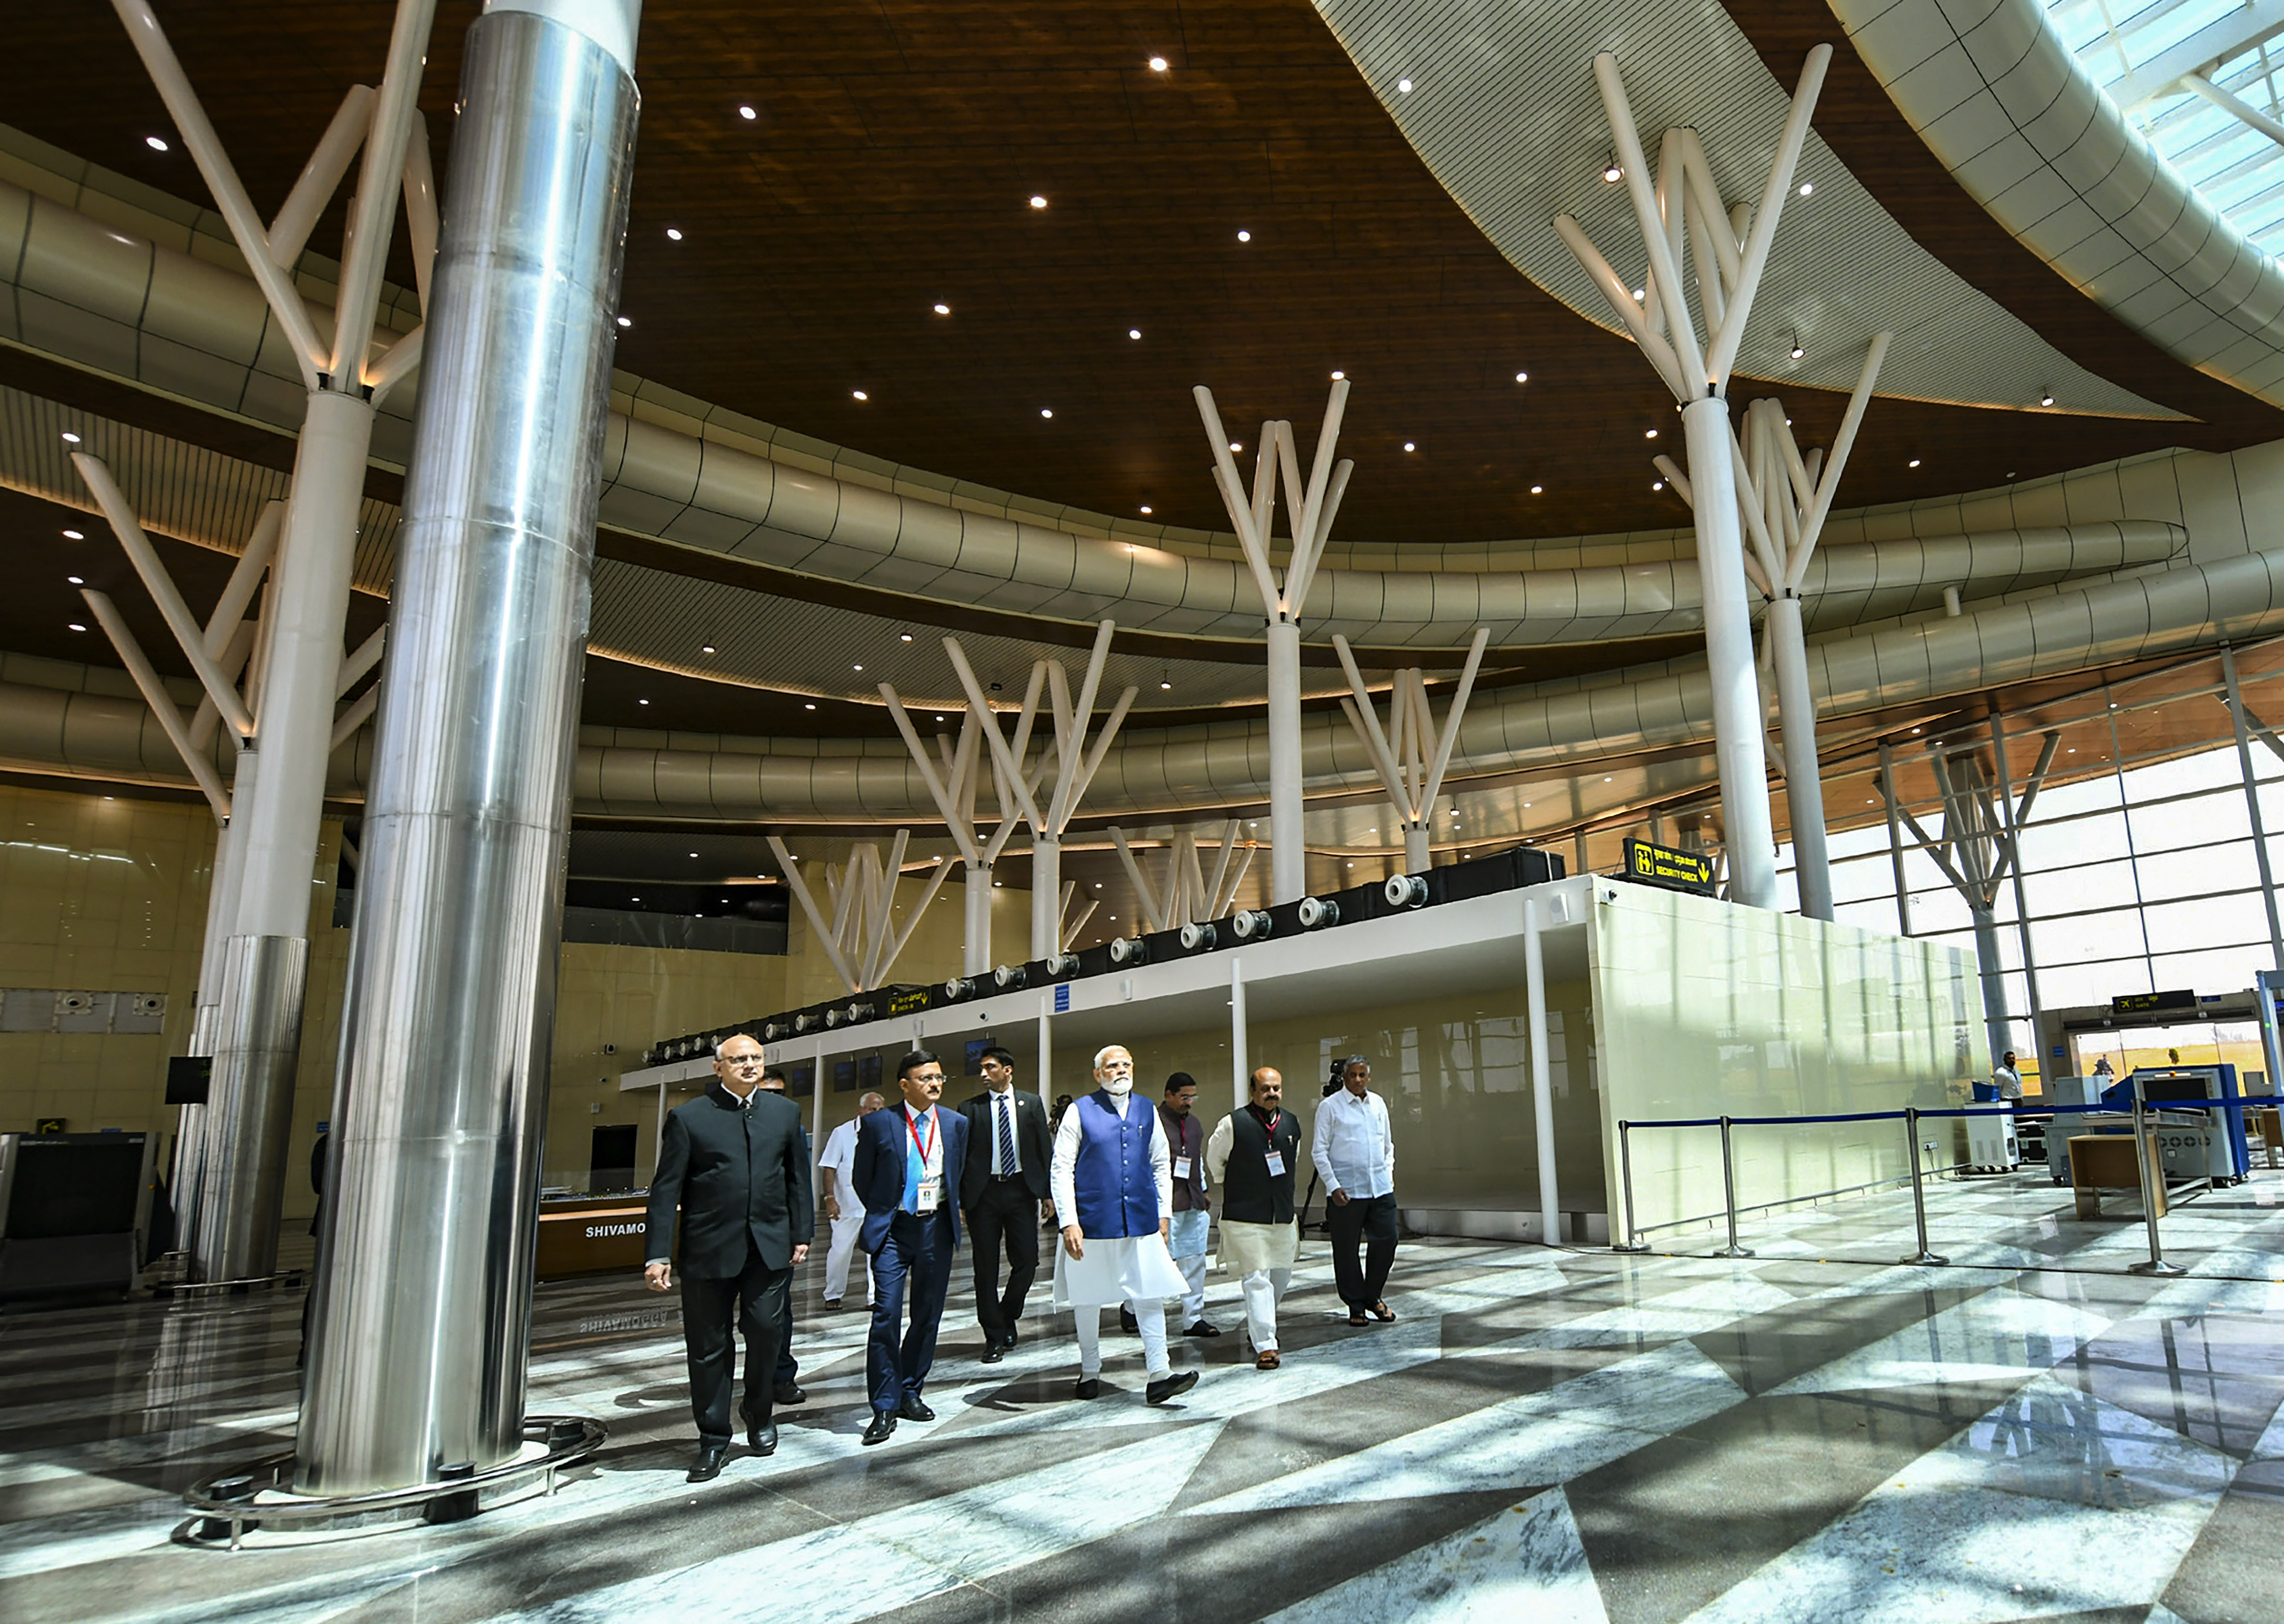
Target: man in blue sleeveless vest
1113,1179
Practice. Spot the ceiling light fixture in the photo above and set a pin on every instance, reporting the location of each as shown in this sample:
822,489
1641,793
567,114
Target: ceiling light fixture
1145,507
1163,684
810,706
1657,485
642,701
157,144
1338,375
1640,295
674,233
904,636
1522,377
1404,87
1913,463
855,668
1649,435
860,394
75,580
1611,173
705,648
1408,446
1807,187
1157,65
70,439
73,535
1134,332
75,626
748,113
1537,490
1245,236
1046,412
1237,445
2046,397
942,309
626,321
1797,352
1038,201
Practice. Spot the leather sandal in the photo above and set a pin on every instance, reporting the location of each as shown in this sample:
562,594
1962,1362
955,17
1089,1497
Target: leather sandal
1265,1360
1385,1315
1356,1318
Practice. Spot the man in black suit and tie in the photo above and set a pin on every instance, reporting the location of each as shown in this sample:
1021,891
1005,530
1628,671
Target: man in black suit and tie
732,1162
910,1161
1006,1179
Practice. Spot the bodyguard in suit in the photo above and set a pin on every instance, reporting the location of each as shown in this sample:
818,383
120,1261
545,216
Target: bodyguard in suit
909,1161
732,1161
1006,1179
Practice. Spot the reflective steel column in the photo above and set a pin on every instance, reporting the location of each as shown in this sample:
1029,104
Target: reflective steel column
422,1322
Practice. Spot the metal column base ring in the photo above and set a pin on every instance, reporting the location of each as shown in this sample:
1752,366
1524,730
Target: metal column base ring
1630,1246
1733,1252
1924,1260
2157,1266
257,1499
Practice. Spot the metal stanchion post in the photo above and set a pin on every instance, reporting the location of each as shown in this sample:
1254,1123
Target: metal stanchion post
1919,1196
1633,1242
2156,1265
1729,1194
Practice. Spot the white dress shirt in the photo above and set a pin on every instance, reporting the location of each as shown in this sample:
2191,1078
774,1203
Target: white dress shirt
1001,1104
1352,1146
841,1154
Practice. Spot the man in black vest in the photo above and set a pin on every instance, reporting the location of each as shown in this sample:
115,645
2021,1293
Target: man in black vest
1005,1181
1251,1155
732,1162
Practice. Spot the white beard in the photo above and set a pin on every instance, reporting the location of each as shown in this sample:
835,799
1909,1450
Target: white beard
1118,1086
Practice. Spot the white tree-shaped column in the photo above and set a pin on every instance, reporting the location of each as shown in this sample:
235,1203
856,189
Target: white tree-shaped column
1409,753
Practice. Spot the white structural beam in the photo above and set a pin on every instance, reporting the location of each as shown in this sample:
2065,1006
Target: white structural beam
2233,33
1412,778
320,177
162,703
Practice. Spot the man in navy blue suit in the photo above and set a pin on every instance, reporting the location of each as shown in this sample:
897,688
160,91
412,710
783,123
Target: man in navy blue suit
909,1161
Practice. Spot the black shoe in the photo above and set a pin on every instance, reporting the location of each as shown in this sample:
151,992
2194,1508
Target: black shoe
1171,1387
912,1409
1203,1328
764,1439
789,1393
994,1352
706,1466
1007,1337
883,1427
1088,1387
831,1305
1126,1322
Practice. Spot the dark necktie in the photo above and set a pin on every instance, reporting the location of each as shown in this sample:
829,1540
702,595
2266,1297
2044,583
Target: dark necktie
1007,1135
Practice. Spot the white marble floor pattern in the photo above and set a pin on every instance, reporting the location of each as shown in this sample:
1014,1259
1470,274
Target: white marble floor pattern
1523,1382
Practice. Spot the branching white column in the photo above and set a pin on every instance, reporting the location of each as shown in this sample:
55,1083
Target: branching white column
1311,512
1412,773
1075,764
862,941
951,781
1685,200
1183,895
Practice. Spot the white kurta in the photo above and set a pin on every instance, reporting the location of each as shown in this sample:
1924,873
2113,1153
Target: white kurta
1248,1248
1125,1268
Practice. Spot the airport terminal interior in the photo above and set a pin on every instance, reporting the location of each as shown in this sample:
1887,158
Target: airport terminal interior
1699,584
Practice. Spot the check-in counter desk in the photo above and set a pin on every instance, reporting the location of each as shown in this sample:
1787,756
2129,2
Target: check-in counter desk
591,1235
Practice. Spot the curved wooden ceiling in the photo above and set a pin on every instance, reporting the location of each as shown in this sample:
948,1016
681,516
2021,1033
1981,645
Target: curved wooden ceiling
888,166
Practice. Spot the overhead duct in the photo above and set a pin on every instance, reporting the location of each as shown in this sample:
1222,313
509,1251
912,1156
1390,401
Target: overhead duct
1186,767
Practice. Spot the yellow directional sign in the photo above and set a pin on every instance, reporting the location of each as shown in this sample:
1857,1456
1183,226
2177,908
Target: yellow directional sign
1665,865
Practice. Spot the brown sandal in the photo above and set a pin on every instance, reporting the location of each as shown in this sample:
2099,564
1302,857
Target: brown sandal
1265,1360
1356,1318
1381,1312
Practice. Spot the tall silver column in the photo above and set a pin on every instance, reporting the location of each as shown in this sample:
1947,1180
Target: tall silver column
422,1323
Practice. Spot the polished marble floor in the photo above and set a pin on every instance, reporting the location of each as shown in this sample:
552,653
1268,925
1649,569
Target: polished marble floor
1813,1434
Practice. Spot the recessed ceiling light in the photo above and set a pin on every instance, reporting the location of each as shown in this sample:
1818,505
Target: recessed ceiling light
855,668
705,648
75,580
1337,376
1650,434
693,854
1522,377
1038,201
1537,489
1409,446
73,535
1146,508
1237,445
642,701
1913,463
70,439
942,309
1806,187
1134,332
625,321
1640,295
1046,412
1245,236
809,707
1657,485
860,394
75,626
904,636
1404,87
674,233
157,144
1157,65
748,113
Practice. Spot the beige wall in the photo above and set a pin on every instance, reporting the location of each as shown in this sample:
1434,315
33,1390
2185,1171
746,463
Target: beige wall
1703,1010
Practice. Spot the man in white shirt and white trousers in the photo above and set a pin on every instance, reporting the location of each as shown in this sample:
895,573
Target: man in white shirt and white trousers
1114,1188
1355,1153
841,1206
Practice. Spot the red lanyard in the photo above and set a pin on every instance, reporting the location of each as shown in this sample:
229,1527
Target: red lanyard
1272,1124
925,1147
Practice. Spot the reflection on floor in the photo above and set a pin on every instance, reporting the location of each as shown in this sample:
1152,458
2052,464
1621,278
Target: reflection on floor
1811,1434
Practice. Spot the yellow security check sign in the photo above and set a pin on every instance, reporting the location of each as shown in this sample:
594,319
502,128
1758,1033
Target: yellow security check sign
1666,865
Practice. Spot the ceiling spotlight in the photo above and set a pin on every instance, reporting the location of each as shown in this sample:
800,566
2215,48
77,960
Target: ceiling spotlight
1237,445
1145,507
855,668
1038,201
810,706
1806,187
626,321
1046,412
705,648
75,580
1134,332
1404,87
1913,463
1797,352
73,535
1408,446
1522,377
157,144
1164,686
1537,490
1157,65
1658,485
1245,236
642,701
748,113
1338,375
860,394
1610,170
943,309
1640,295
2046,397
674,233
1649,435
70,439
904,636
75,626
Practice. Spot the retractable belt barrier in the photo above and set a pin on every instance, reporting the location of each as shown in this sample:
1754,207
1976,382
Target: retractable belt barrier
1911,1116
